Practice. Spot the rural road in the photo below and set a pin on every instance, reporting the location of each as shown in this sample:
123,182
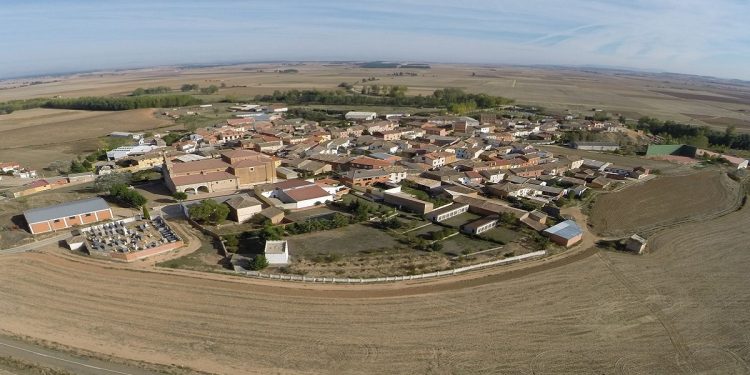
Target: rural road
26,352
36,244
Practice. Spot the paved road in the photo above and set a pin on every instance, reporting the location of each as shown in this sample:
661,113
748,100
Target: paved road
37,244
26,352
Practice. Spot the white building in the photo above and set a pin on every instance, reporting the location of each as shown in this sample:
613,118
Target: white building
447,212
276,252
360,116
126,151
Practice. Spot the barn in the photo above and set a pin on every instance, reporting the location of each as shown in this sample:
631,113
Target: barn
67,215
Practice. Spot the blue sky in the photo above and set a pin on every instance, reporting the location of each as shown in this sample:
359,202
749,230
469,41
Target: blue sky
710,37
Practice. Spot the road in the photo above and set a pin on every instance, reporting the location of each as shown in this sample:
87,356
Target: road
37,244
30,353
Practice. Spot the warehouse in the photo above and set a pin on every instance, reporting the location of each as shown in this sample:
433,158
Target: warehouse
566,233
67,215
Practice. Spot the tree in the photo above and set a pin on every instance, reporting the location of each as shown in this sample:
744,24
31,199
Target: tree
189,87
270,232
77,167
209,211
180,196
210,89
146,213
126,195
260,262
231,240
106,182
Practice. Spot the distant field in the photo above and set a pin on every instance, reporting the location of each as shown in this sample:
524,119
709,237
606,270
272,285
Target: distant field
37,137
662,201
556,89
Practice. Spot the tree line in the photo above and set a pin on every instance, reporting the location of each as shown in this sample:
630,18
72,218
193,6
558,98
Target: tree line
151,91
440,98
699,136
102,103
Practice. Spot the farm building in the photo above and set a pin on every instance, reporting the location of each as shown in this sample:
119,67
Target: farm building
566,233
596,146
360,116
407,202
67,215
636,244
447,212
480,226
277,252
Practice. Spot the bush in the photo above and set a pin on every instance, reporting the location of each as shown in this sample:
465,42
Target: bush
260,262
180,196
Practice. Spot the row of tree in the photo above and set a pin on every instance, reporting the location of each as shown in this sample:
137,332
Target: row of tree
100,103
440,98
151,91
699,136
212,89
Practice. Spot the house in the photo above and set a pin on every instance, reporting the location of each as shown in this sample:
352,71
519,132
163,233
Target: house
407,202
360,116
365,177
276,252
67,215
397,173
274,214
485,206
369,163
480,226
635,244
566,233
599,183
447,212
595,146
286,173
300,193
241,206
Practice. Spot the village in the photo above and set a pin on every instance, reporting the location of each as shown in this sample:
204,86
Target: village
451,190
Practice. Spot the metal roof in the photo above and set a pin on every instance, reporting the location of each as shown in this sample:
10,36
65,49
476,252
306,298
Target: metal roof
65,209
566,229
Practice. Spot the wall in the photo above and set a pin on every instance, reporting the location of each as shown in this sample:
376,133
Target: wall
344,280
130,257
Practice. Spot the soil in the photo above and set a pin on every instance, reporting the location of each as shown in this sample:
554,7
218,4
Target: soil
645,207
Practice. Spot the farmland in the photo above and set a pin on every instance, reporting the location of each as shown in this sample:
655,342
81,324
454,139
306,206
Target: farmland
606,313
663,201
632,94
37,137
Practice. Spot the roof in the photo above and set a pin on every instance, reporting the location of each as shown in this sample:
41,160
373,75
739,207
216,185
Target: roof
491,205
275,247
272,212
567,229
306,192
291,184
365,173
370,161
198,165
242,201
480,222
73,208
446,209
198,178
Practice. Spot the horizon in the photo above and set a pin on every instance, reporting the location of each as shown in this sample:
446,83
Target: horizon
48,38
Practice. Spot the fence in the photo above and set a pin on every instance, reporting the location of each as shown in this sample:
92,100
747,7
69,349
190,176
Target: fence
348,280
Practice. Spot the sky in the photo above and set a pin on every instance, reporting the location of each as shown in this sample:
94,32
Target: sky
705,37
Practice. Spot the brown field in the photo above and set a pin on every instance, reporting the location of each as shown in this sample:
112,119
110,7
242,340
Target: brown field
679,309
645,207
38,136
632,94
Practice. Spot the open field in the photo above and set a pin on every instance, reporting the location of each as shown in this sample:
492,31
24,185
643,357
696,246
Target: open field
347,240
633,94
663,201
680,309
37,137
